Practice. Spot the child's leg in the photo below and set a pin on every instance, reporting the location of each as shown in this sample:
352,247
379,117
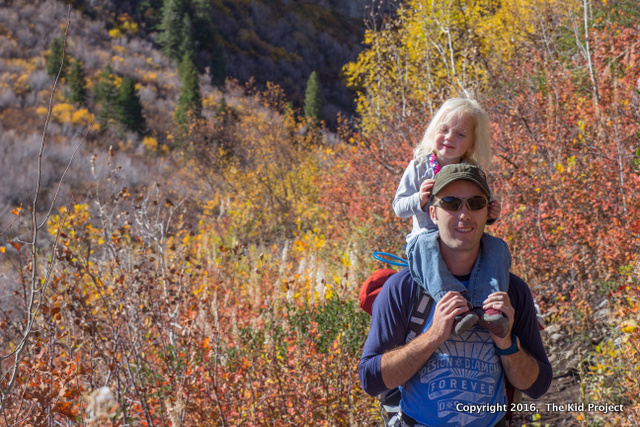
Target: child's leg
428,268
490,274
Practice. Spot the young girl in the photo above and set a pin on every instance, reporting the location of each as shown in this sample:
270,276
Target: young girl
459,132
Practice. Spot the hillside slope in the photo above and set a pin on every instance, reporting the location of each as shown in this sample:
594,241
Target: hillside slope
279,41
26,31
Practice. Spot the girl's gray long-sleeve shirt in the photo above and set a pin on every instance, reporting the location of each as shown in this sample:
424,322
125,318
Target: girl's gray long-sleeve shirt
406,202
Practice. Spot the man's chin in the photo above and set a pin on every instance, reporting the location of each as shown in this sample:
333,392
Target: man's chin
464,245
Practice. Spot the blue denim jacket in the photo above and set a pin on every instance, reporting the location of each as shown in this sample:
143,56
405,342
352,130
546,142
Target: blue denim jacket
490,272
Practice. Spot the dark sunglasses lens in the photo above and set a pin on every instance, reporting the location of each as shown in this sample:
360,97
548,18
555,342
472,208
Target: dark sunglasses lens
450,203
476,203
453,203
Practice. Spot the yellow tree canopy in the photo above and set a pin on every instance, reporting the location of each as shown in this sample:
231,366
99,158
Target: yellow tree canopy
431,50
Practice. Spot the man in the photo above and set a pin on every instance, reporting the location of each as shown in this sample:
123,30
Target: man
449,380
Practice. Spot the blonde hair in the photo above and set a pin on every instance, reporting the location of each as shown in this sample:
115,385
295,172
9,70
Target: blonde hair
480,155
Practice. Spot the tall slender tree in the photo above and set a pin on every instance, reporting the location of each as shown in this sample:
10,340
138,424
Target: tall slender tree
54,60
313,99
189,101
171,28
78,84
128,106
106,95
188,43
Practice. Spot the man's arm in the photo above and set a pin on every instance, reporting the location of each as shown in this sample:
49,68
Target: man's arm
387,334
399,365
389,323
529,369
520,368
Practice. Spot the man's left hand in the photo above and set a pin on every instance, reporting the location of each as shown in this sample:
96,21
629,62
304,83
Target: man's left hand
500,301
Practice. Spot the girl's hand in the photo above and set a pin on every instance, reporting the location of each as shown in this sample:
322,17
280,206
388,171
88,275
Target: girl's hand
425,192
494,210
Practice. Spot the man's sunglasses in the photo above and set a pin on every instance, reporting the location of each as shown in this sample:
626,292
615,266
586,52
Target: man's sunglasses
451,203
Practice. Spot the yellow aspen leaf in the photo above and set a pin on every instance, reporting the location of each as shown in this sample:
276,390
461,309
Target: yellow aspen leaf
628,326
115,33
2,249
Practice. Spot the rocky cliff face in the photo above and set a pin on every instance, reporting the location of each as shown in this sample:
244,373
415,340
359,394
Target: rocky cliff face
363,8
280,41
284,41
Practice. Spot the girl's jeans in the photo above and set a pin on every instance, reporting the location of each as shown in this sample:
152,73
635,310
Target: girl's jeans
490,272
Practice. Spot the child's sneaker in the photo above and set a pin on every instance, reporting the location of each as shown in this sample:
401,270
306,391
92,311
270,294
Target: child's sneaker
464,322
494,321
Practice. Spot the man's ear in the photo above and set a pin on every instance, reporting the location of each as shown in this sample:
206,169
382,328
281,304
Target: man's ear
432,213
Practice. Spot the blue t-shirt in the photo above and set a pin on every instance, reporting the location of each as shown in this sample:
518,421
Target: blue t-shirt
463,370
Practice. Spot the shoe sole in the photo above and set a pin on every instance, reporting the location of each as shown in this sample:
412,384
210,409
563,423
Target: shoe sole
465,323
494,327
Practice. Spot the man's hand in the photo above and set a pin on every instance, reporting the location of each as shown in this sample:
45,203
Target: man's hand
451,305
399,365
425,191
521,368
500,301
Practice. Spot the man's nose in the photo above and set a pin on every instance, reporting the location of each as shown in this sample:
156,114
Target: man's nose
464,211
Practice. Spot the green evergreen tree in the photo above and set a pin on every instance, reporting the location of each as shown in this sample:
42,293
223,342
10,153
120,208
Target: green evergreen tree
313,99
189,101
106,95
171,28
54,60
78,84
188,43
128,106
218,66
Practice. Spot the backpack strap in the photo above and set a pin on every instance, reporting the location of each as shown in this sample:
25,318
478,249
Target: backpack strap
421,308
422,304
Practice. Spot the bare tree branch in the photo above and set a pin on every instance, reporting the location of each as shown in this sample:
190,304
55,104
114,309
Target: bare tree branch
36,287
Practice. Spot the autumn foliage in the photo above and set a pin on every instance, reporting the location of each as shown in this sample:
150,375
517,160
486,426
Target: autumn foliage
233,301
564,104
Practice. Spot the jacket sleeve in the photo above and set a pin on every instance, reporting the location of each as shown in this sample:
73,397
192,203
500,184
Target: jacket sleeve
406,202
525,327
388,330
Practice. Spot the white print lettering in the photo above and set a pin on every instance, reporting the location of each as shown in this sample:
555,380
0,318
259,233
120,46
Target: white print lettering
584,407
462,383
481,409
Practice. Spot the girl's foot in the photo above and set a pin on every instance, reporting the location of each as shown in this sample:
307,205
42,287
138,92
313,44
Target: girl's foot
464,322
493,320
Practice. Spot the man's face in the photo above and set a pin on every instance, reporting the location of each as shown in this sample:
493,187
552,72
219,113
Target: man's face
460,231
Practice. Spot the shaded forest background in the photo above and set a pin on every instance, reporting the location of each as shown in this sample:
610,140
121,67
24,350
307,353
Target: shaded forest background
200,263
